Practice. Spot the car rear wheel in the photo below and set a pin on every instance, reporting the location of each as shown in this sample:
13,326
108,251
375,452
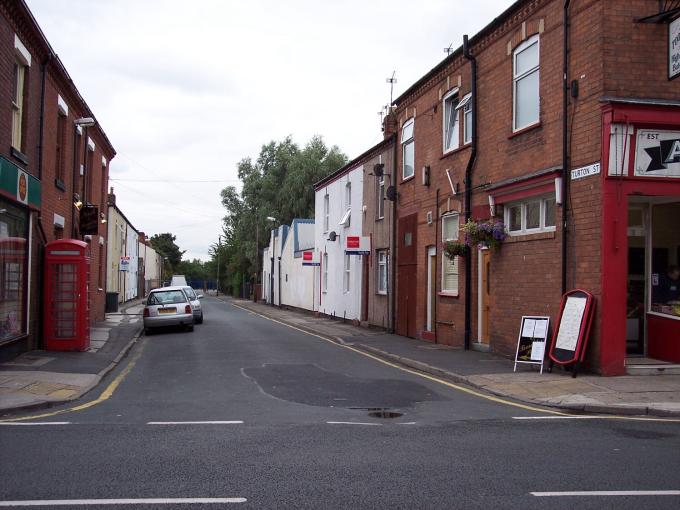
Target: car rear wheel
148,332
200,319
190,327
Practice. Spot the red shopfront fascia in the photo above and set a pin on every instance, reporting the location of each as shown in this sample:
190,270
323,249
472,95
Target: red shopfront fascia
66,307
663,333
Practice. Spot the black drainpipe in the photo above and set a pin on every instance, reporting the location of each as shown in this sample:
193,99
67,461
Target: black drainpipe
565,148
468,189
43,73
393,251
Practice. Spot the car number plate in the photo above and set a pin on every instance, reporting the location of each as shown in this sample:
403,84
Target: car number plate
163,311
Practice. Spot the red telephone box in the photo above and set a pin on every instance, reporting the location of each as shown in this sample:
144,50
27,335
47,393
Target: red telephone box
67,307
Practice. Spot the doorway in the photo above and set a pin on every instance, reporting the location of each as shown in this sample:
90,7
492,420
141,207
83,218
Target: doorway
484,288
431,286
636,278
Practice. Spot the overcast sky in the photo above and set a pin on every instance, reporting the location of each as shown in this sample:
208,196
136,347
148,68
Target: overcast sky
184,90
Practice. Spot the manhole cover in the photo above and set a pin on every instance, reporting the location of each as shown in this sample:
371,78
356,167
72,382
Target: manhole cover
385,414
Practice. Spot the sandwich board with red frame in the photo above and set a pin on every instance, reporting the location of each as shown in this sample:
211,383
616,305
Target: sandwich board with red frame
570,337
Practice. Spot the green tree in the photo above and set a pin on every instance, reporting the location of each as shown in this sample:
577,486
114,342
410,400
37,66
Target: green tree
279,184
165,245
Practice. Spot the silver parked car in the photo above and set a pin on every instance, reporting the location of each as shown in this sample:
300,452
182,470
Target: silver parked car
195,298
168,306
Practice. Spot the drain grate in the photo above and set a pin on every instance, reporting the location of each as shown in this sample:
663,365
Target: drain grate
385,414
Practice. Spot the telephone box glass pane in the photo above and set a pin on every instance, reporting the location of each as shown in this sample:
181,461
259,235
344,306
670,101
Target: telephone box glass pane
65,297
12,270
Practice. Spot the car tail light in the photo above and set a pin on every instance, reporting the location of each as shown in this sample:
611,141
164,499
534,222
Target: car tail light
187,309
146,312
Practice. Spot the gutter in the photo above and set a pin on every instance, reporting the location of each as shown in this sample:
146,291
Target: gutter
468,189
565,148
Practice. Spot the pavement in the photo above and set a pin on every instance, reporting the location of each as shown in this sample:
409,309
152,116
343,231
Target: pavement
655,395
44,378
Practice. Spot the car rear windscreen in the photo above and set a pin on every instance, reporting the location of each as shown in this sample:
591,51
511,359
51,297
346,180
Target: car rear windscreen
166,297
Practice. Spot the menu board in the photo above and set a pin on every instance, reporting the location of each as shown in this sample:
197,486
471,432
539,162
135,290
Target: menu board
570,338
570,323
533,335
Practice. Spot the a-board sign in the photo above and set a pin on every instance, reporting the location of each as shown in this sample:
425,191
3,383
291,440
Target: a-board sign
309,259
531,341
570,336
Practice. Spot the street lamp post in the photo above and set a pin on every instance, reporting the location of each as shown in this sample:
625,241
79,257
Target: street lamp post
219,246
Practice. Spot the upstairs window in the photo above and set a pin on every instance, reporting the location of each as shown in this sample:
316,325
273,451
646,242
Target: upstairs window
451,123
526,99
348,196
60,146
325,213
408,150
380,209
466,106
22,61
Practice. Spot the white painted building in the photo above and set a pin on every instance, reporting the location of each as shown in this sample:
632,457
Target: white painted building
297,281
123,253
271,265
338,205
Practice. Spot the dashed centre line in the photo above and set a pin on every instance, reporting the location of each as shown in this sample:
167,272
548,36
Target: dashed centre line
606,493
213,422
126,501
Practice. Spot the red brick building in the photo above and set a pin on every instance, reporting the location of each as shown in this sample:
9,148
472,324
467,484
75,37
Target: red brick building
584,172
51,168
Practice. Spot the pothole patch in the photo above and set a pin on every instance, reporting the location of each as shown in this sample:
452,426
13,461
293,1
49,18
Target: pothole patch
385,414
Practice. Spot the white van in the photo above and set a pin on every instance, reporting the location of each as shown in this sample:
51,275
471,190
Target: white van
178,280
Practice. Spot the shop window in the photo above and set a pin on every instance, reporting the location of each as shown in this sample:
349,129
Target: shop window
526,96
450,229
665,280
535,214
408,150
450,121
382,271
13,268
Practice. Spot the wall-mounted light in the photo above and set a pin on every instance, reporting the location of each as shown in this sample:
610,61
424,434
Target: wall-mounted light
85,122
78,204
492,206
426,175
102,218
558,190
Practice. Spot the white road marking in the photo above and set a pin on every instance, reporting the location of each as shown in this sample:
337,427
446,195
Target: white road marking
194,422
22,424
351,423
140,501
407,423
574,417
606,493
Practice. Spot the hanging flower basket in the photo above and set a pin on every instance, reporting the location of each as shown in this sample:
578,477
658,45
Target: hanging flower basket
486,234
454,249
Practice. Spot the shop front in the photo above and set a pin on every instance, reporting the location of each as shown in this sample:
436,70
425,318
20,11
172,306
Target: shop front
640,319
19,193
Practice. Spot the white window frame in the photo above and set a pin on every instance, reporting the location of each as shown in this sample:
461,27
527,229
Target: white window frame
382,266
404,143
348,195
452,97
380,208
450,266
467,121
18,104
326,213
347,274
516,78
324,280
543,199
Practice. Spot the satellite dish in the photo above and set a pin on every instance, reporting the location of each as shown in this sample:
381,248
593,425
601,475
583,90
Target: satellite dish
391,193
378,169
332,236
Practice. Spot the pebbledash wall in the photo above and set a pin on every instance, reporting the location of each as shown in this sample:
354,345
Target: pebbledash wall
618,67
338,204
41,146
